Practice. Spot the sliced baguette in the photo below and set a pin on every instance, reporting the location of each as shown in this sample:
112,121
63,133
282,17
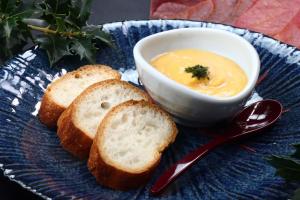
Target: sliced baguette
129,144
78,125
60,94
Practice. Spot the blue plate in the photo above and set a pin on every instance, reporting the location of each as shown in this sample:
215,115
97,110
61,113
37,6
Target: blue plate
30,154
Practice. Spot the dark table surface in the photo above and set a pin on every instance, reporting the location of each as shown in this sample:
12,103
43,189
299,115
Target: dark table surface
103,11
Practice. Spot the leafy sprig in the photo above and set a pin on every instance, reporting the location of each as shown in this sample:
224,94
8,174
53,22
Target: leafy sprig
288,167
14,33
197,71
59,26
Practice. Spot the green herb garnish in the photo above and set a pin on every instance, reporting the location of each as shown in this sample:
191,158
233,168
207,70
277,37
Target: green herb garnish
198,71
288,167
57,26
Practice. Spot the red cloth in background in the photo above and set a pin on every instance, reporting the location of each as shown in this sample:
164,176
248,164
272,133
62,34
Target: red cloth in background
277,18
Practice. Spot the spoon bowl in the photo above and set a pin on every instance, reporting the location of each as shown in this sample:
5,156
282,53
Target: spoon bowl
255,118
251,120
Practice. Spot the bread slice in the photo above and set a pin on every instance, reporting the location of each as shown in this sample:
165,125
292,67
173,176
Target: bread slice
60,94
129,144
78,125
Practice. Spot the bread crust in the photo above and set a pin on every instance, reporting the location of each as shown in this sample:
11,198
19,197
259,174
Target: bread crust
114,176
50,110
73,139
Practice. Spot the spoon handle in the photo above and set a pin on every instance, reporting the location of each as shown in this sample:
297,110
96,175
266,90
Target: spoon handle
187,161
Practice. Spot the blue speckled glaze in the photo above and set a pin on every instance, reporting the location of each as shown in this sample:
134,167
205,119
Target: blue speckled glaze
30,154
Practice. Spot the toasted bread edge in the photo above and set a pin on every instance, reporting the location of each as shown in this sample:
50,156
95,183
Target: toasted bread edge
114,176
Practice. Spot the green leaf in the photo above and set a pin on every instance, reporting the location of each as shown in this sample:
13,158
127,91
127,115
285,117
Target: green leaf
61,24
8,6
67,19
11,7
79,11
85,9
297,152
54,6
85,49
14,34
296,195
72,24
286,167
55,46
98,34
9,24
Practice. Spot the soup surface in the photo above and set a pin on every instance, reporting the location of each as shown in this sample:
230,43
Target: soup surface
224,77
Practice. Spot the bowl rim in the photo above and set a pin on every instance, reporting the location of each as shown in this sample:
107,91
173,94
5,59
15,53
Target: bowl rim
184,89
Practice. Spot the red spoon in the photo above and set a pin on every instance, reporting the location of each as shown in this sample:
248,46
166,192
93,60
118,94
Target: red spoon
248,122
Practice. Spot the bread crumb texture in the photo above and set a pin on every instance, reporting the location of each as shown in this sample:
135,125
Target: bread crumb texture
135,135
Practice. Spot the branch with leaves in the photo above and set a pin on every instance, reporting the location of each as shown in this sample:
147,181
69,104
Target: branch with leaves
59,26
288,167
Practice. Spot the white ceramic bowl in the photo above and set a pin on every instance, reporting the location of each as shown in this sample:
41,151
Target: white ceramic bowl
187,106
